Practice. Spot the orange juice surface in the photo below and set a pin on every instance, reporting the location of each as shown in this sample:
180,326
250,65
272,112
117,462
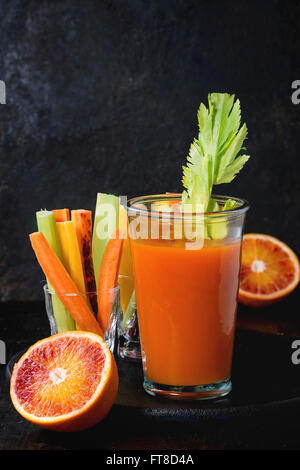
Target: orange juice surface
186,301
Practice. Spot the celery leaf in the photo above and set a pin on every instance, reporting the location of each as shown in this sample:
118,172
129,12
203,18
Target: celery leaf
214,157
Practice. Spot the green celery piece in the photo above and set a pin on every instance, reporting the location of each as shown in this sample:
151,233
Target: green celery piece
229,205
218,229
212,206
214,157
197,178
214,230
105,223
227,139
47,225
131,308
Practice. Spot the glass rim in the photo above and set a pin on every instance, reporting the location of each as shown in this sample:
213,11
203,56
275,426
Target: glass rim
74,294
243,206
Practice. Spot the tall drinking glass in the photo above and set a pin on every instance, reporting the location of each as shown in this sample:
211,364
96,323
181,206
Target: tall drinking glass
186,269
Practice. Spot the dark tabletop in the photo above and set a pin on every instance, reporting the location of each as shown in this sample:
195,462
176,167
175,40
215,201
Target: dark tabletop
265,333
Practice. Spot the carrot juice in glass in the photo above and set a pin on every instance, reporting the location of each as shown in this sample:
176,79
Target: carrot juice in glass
186,292
186,251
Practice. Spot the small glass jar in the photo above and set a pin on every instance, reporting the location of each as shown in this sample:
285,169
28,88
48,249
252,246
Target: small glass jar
121,337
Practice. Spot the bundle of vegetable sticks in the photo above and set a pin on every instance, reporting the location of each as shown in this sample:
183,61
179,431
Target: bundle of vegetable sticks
81,262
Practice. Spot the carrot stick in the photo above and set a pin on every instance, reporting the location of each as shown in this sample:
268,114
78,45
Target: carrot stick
82,220
61,215
63,284
108,278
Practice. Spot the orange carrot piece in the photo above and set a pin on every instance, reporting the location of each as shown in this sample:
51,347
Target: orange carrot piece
108,278
82,220
61,215
63,284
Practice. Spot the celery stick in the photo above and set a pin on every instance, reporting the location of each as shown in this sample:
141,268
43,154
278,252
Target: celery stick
105,223
217,230
126,323
215,156
47,225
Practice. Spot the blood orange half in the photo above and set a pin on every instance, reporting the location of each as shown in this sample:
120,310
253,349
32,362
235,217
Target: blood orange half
66,382
269,271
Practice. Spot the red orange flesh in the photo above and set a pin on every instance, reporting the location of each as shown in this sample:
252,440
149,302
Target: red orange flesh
67,382
269,271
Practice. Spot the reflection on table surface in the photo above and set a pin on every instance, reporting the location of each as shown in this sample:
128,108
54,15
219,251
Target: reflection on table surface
282,318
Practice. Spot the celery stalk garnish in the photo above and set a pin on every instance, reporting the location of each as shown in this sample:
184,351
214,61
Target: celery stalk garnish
214,157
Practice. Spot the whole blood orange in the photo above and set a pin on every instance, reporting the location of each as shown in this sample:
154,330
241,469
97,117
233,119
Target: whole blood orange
269,271
66,382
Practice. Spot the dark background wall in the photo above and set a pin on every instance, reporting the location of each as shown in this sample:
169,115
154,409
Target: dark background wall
102,95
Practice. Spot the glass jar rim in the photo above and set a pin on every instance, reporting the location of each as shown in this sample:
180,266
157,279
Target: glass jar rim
242,206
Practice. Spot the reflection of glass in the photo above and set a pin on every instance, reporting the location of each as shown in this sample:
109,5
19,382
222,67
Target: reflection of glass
128,331
186,293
